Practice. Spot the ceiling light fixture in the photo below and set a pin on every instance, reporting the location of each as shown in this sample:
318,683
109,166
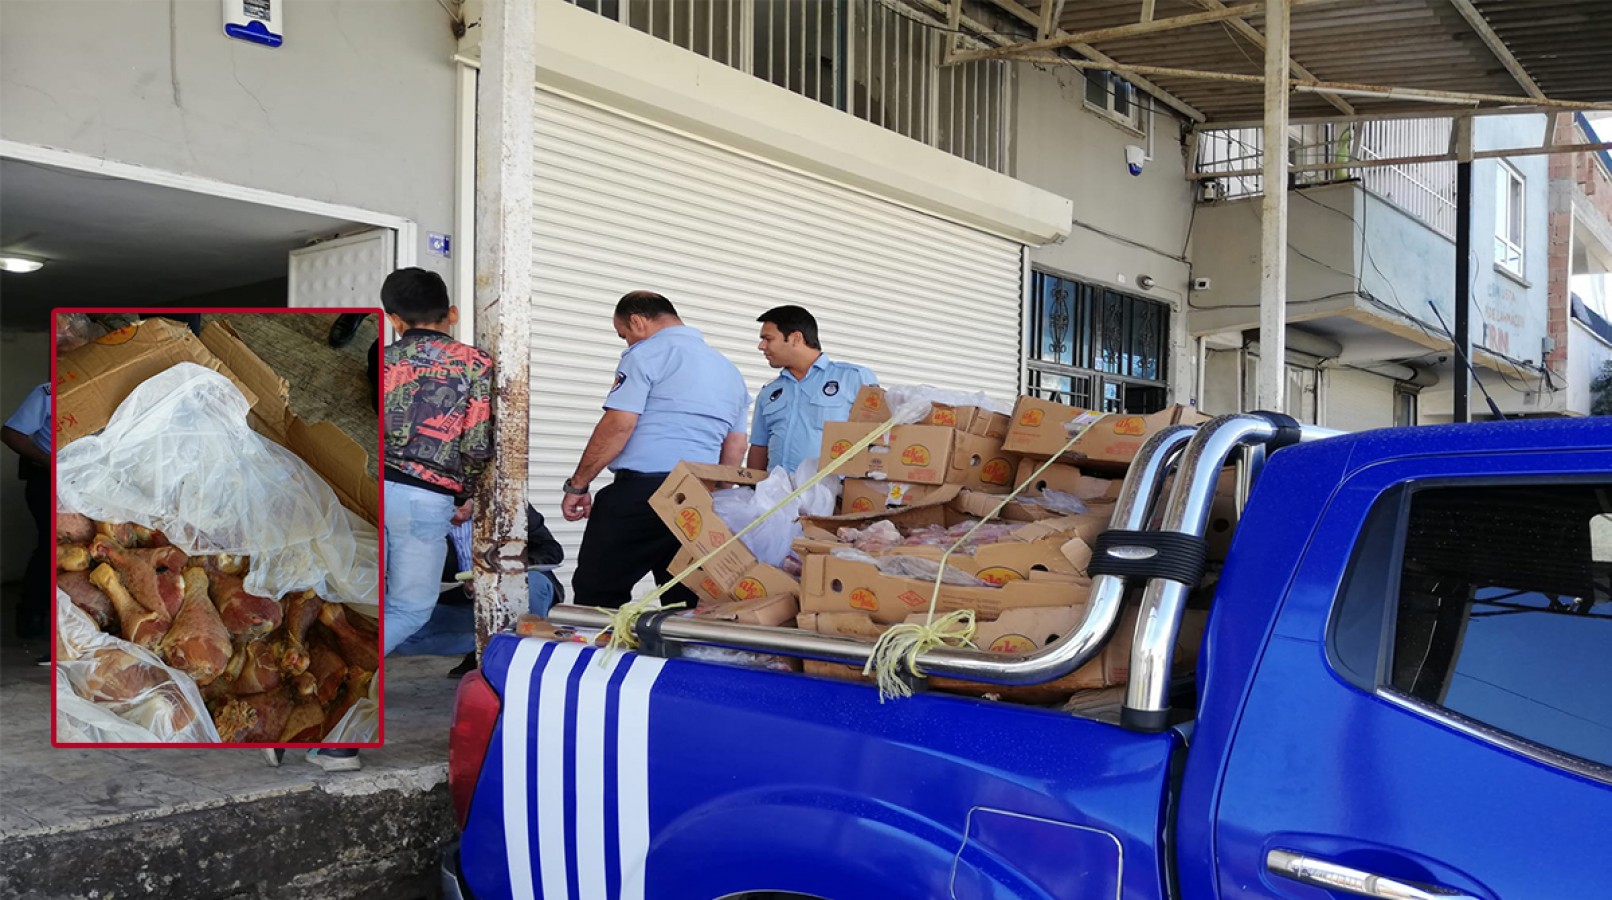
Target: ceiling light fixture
20,265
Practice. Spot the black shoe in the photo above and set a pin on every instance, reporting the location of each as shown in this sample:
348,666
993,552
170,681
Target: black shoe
465,667
343,329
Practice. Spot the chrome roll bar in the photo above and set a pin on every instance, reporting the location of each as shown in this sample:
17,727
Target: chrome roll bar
1071,651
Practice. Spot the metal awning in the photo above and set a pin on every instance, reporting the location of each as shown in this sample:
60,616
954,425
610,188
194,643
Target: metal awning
1378,57
1271,63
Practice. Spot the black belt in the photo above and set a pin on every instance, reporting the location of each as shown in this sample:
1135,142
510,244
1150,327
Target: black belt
627,474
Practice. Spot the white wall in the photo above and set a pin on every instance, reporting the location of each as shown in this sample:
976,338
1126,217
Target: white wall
1510,315
356,108
26,363
1322,266
1588,354
1073,152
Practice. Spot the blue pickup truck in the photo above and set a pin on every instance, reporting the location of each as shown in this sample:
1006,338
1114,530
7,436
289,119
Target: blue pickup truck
1404,690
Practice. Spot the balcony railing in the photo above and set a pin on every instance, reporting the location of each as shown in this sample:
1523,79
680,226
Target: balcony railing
1424,190
878,60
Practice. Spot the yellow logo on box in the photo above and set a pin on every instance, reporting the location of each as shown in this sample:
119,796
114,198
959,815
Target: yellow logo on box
861,505
1133,426
944,416
1033,417
1012,643
121,336
862,598
996,471
915,456
838,449
749,589
689,523
710,587
998,575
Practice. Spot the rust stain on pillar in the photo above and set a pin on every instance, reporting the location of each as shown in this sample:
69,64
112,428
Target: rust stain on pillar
506,113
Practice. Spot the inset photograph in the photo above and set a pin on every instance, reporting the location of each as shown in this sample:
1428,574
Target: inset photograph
216,511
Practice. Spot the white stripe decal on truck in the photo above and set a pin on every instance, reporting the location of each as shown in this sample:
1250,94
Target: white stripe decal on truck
632,773
550,749
590,776
517,700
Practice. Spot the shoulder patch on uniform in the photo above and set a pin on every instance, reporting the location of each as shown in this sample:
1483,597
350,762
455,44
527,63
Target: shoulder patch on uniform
621,377
777,392
830,389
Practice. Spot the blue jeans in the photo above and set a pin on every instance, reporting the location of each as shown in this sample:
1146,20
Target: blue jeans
451,630
416,546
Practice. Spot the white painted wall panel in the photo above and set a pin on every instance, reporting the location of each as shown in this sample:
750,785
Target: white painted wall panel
623,204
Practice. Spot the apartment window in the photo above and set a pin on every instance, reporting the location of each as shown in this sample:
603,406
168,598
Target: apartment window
1509,218
1096,348
1115,98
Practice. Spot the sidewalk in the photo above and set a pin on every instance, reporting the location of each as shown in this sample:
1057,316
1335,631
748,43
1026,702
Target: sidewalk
222,823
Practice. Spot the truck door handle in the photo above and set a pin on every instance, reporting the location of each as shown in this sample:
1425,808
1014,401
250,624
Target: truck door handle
1323,874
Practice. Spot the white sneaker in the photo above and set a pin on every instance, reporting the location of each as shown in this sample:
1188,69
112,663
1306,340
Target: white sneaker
335,759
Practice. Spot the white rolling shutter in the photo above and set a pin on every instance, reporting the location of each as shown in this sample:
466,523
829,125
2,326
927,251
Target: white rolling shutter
622,205
1358,401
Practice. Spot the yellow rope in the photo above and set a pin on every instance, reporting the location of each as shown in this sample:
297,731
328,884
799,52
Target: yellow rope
624,620
903,643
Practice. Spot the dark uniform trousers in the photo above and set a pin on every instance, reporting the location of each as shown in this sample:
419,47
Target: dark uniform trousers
624,541
33,613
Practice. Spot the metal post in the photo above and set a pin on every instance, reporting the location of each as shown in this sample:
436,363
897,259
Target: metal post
505,222
1463,300
1273,214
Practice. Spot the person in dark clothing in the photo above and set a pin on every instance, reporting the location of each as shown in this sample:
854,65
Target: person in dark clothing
28,433
543,586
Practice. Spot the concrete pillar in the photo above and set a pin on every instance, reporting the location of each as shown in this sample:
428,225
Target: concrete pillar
1273,213
505,220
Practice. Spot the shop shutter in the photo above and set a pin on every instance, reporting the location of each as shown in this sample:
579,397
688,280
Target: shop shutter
624,204
1358,401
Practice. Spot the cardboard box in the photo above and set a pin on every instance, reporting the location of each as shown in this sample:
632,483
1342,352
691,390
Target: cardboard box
779,609
980,464
870,406
918,454
933,509
1110,445
866,495
1069,479
92,380
760,580
830,584
683,502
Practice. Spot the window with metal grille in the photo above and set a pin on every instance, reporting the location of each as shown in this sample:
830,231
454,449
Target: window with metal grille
879,60
1096,348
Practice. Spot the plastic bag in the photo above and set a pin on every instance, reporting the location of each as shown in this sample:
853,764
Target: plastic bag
178,456
362,722
109,691
743,658
911,403
900,565
1057,501
770,541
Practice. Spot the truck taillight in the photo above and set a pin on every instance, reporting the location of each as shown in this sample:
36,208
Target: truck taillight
475,713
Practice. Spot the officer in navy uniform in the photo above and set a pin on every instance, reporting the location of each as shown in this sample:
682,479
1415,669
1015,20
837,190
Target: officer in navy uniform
674,399
812,389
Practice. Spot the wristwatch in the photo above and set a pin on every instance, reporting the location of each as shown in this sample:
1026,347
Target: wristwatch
574,491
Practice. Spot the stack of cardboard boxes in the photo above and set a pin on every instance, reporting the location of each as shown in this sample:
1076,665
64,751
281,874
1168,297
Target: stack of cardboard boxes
955,466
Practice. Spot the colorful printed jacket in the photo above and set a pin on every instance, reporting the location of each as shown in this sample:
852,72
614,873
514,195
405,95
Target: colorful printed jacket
437,410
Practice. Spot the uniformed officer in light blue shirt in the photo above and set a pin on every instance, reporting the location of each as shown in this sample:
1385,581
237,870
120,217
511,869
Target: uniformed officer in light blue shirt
787,427
674,399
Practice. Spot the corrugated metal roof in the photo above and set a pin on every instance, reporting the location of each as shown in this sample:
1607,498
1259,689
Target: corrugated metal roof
1564,45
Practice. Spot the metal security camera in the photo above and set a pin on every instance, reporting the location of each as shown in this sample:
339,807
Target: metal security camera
1135,158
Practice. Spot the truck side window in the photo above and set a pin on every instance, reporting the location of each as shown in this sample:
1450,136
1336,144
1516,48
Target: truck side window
1504,611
